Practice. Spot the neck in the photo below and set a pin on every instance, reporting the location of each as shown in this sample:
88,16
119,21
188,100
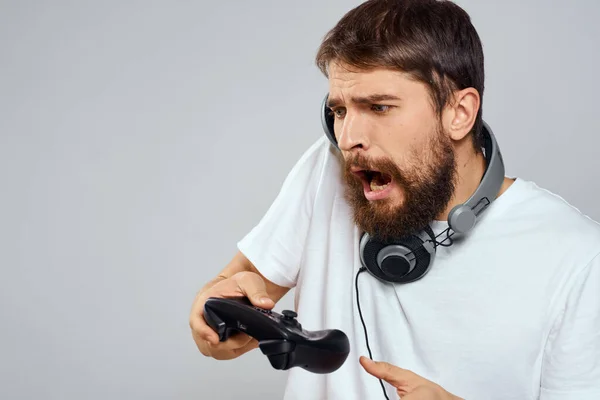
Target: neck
470,167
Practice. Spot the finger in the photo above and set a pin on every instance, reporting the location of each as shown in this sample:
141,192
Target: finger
419,393
383,370
254,288
226,350
400,378
415,395
225,288
197,323
202,330
235,341
203,345
231,354
251,345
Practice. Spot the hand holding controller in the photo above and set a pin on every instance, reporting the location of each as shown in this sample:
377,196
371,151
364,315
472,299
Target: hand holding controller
280,336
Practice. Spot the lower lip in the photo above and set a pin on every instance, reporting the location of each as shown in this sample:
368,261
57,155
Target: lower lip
379,194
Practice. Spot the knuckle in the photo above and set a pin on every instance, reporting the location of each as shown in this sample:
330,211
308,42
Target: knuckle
203,346
201,299
197,324
244,277
387,369
413,376
194,324
250,278
204,350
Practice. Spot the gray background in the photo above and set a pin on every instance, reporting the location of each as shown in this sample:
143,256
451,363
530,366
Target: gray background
140,140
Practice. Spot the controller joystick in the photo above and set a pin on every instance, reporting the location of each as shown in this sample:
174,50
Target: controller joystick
280,336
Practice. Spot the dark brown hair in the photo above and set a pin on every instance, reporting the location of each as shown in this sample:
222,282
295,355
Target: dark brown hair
432,40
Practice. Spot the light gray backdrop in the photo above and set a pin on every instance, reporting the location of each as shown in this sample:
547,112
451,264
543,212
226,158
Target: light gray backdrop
140,140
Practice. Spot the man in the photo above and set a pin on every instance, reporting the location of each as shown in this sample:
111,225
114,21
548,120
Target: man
512,311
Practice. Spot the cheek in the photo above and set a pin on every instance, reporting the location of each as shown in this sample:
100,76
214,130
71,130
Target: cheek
405,157
402,143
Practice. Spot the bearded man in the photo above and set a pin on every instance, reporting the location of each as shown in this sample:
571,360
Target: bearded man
510,310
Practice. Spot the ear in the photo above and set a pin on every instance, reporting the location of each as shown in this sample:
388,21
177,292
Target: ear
461,113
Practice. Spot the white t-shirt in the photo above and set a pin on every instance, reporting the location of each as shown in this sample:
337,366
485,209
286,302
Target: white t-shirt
512,312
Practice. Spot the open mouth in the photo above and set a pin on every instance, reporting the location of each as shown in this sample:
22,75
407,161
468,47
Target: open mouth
373,181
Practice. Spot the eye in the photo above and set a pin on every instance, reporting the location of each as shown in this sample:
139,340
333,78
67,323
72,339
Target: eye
338,112
380,109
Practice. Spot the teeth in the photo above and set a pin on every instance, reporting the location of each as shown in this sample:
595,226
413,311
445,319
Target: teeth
375,187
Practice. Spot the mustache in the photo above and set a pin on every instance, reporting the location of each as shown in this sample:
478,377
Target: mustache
384,165
364,162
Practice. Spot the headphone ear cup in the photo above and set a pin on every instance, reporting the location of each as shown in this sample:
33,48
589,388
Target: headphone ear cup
327,121
403,260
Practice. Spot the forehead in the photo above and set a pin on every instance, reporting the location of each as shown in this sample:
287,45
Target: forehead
346,81
344,75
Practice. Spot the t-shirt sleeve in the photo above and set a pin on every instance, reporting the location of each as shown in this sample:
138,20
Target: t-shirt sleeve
275,245
572,359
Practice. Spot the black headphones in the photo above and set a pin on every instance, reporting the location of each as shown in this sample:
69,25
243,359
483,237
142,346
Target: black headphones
409,258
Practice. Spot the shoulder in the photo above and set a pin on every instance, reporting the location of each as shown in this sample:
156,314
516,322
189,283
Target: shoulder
558,211
564,224
319,165
317,154
275,245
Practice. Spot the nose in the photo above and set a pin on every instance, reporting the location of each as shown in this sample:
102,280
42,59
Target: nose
351,134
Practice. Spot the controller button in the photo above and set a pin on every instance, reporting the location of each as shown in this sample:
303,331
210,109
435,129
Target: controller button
289,314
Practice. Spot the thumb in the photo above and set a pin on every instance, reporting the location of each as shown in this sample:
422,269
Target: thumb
254,288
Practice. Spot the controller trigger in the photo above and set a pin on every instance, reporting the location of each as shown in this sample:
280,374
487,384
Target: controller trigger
279,361
218,325
278,352
276,346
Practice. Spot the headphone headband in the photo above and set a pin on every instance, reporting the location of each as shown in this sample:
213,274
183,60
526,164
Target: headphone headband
462,217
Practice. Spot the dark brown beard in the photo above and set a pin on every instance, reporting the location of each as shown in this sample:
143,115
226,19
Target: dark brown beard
427,190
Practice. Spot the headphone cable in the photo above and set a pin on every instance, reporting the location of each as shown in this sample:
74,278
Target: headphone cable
448,237
362,269
435,242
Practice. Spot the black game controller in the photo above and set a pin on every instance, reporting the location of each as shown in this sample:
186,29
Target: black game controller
280,337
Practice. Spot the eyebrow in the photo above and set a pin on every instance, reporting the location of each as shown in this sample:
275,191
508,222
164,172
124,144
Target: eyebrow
374,98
